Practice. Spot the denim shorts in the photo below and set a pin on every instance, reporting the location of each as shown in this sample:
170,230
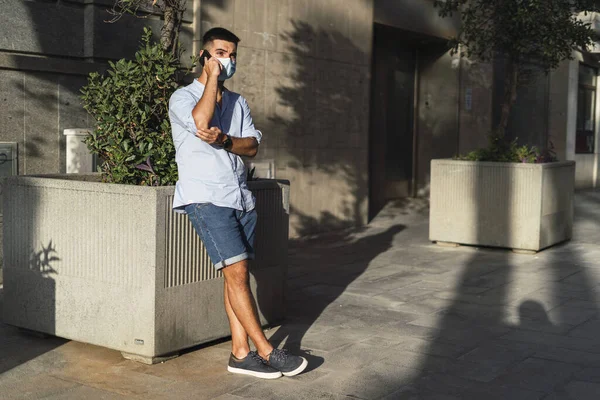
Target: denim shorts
227,233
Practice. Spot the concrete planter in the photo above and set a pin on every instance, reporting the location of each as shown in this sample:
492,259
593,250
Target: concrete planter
518,206
113,265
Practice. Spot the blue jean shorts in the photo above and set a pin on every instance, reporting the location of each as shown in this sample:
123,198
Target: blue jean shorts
227,233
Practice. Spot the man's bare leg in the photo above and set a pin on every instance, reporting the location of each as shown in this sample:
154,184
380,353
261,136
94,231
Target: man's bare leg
239,337
243,310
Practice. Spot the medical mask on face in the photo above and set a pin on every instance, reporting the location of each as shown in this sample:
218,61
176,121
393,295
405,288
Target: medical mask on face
228,68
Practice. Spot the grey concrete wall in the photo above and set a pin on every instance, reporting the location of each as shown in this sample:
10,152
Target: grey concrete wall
304,67
46,51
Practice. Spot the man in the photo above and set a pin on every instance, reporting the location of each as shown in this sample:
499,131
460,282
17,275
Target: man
212,128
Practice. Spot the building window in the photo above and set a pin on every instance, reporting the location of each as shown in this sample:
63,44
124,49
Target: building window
586,110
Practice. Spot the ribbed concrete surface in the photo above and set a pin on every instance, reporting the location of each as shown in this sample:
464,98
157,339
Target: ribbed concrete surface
520,206
113,266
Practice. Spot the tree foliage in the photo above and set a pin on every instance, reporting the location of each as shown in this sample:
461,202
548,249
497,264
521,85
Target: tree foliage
130,106
529,35
172,11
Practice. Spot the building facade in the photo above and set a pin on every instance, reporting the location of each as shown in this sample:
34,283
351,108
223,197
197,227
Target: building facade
354,97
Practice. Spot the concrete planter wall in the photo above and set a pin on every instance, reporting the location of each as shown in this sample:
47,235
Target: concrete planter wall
114,266
512,205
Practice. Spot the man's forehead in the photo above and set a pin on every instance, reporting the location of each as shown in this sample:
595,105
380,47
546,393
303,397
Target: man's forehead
223,44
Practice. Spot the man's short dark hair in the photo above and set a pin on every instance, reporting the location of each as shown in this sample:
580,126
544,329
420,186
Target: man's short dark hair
219,34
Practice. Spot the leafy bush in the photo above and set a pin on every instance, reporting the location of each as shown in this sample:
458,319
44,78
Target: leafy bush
130,105
501,150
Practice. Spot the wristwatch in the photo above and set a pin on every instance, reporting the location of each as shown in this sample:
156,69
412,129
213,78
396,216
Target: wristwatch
227,143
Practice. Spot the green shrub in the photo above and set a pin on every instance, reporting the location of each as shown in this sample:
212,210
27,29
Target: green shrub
501,150
130,105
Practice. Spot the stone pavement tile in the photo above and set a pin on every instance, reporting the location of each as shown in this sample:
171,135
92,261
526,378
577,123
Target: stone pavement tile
492,360
357,356
297,332
359,317
545,297
18,347
490,280
395,330
571,315
284,388
408,294
335,338
575,357
228,396
433,285
538,374
117,379
383,284
588,330
85,392
576,390
395,270
587,304
469,389
418,345
201,375
538,326
581,278
413,393
589,375
23,386
421,361
420,307
548,339
448,322
372,381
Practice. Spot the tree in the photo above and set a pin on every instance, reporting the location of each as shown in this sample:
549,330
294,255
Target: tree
528,35
172,11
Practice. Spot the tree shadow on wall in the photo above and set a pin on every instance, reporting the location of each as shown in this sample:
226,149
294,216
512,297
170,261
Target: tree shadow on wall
320,126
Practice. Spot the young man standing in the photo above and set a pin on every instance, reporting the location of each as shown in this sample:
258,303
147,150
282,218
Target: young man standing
212,128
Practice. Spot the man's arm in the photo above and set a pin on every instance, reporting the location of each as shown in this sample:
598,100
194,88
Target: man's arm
244,146
205,108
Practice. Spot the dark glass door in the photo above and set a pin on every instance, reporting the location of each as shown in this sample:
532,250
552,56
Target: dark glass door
392,115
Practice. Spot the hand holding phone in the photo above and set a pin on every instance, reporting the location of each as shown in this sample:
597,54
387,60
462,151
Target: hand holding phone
211,65
204,55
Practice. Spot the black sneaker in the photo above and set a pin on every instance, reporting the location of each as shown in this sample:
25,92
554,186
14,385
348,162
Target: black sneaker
253,365
287,363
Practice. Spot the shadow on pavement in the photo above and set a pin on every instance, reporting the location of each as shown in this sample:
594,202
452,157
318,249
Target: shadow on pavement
311,290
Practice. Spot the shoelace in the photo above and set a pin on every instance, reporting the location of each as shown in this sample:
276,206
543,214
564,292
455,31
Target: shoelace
280,355
254,355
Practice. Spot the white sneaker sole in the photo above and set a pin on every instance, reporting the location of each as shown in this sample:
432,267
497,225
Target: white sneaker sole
298,370
263,375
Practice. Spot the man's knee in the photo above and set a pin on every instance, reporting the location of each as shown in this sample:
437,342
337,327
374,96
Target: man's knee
236,274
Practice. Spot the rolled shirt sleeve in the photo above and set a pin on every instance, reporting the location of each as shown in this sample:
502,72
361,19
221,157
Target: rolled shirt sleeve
181,105
248,129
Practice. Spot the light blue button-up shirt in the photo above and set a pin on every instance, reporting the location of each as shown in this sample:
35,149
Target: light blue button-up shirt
207,173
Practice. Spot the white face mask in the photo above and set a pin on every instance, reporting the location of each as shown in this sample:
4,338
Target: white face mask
228,68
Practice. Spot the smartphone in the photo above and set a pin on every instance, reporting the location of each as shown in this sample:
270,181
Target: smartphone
205,56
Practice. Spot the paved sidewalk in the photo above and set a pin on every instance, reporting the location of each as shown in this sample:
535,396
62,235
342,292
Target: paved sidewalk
381,314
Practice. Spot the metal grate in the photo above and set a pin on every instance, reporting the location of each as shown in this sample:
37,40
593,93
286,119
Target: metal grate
187,260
